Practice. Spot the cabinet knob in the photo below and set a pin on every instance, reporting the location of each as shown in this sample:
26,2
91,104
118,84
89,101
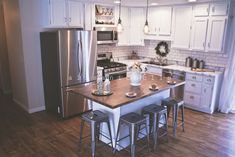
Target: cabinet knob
70,19
194,77
65,19
209,80
204,90
193,85
191,97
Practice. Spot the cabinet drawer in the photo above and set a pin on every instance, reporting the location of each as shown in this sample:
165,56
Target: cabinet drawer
201,10
193,86
192,99
208,79
193,77
219,9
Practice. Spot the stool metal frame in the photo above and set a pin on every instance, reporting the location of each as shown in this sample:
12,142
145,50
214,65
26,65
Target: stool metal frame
175,104
95,118
155,112
134,121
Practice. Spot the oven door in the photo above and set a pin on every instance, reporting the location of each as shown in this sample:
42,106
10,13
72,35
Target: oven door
117,75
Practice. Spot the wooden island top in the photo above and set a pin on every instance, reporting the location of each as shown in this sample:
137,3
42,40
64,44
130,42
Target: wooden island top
121,86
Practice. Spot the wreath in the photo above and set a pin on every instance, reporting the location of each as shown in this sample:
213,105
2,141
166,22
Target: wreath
162,49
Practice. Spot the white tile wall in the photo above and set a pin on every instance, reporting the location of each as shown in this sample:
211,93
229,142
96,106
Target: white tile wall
215,61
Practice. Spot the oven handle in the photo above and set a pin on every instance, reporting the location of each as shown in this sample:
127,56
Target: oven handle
118,72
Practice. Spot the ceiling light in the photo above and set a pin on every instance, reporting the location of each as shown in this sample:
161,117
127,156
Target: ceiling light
192,0
146,25
119,25
117,1
153,4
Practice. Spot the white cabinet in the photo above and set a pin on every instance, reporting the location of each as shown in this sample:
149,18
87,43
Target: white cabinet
216,34
219,9
199,33
64,13
201,10
206,95
75,13
181,26
136,26
124,36
160,19
133,24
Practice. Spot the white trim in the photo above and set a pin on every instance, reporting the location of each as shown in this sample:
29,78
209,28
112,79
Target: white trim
20,104
32,110
36,109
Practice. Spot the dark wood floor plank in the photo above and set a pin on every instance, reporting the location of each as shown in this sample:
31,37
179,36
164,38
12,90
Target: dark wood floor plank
43,135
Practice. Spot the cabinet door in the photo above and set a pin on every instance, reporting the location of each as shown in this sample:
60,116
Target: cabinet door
206,95
219,9
124,36
153,20
182,18
164,23
216,32
199,32
75,13
136,25
201,10
58,13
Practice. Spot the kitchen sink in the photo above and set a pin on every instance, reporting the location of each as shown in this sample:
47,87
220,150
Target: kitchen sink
155,63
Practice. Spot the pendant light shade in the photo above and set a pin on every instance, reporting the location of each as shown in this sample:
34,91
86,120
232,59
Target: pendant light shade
146,25
119,25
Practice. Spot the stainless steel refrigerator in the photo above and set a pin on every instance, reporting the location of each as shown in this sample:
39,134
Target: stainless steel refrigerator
68,59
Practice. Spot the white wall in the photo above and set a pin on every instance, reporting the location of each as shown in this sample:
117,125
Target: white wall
15,51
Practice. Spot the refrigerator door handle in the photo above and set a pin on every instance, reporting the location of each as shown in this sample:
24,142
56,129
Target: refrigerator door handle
79,59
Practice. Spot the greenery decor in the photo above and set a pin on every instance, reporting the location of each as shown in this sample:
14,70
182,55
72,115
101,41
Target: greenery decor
162,49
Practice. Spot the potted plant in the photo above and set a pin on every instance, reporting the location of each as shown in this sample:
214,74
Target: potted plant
137,70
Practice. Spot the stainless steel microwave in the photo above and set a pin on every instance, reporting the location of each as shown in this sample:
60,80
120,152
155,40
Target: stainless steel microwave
106,35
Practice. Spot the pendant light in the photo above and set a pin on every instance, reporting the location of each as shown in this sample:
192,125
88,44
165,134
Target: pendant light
146,25
119,25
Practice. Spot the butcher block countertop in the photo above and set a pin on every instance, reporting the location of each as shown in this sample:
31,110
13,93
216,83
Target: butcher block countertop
121,86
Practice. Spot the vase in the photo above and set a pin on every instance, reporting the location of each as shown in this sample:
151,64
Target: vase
135,78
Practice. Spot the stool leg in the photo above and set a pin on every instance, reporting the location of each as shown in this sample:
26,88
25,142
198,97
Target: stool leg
116,139
81,131
155,131
97,130
147,133
175,115
133,133
182,113
93,137
166,125
110,134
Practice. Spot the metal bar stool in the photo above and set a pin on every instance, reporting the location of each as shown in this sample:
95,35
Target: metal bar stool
176,104
95,118
155,113
134,121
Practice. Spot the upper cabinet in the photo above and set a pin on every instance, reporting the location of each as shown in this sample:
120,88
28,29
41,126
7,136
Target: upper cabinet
133,24
65,13
207,30
160,19
181,26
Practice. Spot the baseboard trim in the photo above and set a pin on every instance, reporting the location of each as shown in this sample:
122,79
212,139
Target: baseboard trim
32,110
20,104
37,109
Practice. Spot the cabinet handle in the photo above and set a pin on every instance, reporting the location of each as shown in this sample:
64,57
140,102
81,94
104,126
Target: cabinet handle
207,10
204,90
191,97
209,80
70,20
203,44
209,45
159,29
213,9
194,77
65,19
193,85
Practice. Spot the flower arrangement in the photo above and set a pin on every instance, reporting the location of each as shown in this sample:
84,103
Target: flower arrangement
138,67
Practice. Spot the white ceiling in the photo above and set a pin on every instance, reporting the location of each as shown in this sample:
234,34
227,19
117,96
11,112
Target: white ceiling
143,2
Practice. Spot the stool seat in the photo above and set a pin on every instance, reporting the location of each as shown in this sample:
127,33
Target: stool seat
133,118
96,116
154,108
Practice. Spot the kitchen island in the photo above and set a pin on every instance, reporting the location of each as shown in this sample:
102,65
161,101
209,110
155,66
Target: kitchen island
118,104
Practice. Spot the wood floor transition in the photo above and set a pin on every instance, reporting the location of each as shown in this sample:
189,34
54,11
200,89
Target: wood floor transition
43,135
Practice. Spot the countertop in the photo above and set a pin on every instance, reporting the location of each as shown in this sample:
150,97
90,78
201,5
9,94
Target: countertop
121,86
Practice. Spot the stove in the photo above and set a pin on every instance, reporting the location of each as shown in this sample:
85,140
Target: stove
112,69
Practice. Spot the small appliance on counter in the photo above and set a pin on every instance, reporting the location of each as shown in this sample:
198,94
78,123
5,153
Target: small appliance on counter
188,61
195,64
201,64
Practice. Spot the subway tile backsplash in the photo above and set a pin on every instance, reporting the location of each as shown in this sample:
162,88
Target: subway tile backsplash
215,61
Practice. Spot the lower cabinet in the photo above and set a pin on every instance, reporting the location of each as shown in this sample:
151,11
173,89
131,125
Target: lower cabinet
202,92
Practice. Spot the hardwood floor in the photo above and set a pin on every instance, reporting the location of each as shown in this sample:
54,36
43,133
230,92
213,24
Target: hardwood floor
43,135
